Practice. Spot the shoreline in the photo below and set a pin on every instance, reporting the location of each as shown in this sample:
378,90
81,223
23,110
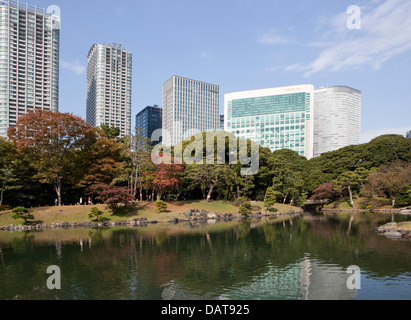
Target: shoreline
199,218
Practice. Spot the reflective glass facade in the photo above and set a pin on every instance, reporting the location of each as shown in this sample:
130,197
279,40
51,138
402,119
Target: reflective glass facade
277,118
189,106
149,120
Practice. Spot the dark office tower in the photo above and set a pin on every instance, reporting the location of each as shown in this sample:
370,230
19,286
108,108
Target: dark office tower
149,120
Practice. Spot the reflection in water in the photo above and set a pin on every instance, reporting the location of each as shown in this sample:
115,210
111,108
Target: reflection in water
307,279
304,258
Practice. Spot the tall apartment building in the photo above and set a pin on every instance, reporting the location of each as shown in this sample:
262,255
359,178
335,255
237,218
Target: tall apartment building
149,120
29,61
276,118
109,79
337,118
189,106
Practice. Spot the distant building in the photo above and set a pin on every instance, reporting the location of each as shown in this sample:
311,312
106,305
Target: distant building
29,63
109,73
276,118
149,120
408,135
222,122
189,107
337,118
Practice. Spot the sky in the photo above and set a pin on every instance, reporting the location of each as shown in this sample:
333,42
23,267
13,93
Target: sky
247,45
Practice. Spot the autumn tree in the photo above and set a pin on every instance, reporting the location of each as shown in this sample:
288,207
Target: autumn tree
167,176
113,196
54,142
391,180
103,162
323,192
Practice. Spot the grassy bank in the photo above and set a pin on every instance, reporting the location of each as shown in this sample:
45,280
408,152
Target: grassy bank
47,215
360,203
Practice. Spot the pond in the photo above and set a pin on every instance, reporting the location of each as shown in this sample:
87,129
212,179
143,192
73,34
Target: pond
306,257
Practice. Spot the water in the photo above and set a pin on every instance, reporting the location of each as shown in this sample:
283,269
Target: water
303,258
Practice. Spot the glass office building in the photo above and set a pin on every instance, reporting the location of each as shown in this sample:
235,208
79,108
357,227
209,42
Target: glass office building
149,120
276,118
29,61
109,79
189,107
337,118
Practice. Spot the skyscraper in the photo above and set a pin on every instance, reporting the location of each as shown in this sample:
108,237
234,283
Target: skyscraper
109,73
189,106
149,120
29,61
337,118
276,118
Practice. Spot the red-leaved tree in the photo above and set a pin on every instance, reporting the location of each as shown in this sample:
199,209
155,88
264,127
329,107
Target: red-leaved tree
53,141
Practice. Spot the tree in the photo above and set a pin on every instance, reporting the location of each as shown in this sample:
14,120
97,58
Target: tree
270,198
102,163
22,213
113,196
391,180
96,214
110,132
138,154
167,176
161,205
54,141
7,167
323,192
347,181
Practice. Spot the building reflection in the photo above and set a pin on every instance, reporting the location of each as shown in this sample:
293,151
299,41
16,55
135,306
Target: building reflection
307,279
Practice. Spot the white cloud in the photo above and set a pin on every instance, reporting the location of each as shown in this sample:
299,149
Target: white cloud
272,37
385,32
367,136
75,67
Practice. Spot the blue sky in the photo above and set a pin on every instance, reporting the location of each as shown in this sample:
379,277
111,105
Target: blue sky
246,45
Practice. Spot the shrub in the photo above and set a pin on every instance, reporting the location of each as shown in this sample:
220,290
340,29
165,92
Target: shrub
161,205
96,214
245,208
22,213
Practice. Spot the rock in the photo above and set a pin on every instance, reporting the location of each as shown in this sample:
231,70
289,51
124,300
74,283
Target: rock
173,220
391,226
393,234
211,216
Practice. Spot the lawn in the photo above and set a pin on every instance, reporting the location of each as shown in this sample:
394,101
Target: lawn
47,215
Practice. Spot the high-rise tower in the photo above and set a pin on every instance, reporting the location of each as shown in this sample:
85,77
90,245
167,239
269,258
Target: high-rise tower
189,107
29,61
337,118
109,73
